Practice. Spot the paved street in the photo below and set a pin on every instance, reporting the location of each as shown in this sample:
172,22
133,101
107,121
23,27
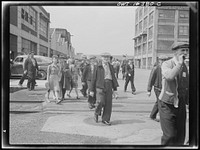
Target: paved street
33,121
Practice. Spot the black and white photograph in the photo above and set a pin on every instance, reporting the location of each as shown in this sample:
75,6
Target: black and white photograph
97,74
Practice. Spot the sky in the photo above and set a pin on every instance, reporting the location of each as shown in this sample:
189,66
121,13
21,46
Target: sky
96,29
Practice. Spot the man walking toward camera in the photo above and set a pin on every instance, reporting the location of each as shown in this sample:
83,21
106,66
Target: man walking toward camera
174,96
30,68
129,76
104,82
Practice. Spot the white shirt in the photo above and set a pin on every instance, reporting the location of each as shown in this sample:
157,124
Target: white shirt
107,71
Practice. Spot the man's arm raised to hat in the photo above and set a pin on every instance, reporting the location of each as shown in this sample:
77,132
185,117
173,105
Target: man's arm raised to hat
168,72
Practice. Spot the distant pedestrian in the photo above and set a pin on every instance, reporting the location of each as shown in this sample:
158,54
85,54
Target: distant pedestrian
155,80
123,66
73,67
129,77
82,66
31,68
87,77
103,82
53,78
174,96
117,68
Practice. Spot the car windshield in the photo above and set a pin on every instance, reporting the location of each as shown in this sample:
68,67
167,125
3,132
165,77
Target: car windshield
19,60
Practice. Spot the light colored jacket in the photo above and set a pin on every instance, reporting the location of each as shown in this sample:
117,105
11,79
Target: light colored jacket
170,71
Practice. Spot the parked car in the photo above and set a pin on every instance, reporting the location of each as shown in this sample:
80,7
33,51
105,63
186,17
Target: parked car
16,67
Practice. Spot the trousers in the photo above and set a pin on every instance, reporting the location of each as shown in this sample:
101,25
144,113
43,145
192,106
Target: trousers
173,123
104,101
155,107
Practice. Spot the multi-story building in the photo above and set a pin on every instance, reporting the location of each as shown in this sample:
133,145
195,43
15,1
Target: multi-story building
156,29
60,42
30,31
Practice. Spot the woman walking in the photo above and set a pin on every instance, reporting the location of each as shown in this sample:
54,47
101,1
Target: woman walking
53,78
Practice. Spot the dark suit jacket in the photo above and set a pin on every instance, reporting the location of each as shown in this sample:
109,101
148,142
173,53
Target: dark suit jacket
31,69
155,78
98,77
130,71
87,74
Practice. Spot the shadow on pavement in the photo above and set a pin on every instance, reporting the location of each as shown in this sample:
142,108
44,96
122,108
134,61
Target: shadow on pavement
91,121
15,89
116,122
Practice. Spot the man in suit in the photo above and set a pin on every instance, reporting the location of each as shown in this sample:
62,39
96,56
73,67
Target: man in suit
174,96
130,72
30,67
104,83
155,80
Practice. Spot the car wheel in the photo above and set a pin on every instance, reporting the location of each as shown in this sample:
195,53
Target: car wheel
42,75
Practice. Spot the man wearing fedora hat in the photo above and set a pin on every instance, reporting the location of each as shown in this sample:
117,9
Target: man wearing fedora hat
155,80
174,96
30,67
105,84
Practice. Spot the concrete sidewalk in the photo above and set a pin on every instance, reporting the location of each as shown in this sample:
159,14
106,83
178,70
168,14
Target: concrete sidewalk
130,122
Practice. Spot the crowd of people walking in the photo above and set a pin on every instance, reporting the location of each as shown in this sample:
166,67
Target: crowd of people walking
99,79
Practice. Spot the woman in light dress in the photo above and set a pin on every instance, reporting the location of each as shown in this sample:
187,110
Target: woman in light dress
53,78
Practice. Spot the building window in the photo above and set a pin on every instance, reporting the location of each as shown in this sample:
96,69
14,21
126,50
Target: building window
43,51
145,22
23,13
140,13
145,39
166,16
136,52
43,27
144,63
136,18
183,17
151,33
51,53
149,62
26,16
150,18
183,30
150,46
166,13
164,45
165,31
139,50
183,14
145,10
139,40
140,27
144,48
136,29
33,18
26,46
